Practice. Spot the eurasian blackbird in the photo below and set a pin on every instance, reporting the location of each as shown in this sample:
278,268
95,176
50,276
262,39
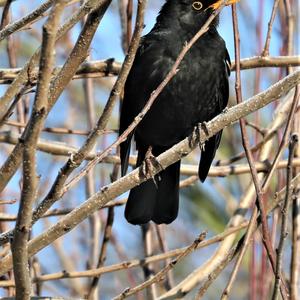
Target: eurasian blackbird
197,93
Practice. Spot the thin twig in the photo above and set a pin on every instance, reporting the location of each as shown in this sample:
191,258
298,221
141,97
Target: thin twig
148,270
103,251
3,202
159,276
270,26
54,212
167,158
17,25
284,218
5,14
160,232
13,162
110,67
136,262
259,192
55,130
129,10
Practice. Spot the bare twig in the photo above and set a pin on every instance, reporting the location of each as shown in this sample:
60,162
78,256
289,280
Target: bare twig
110,67
270,26
158,276
284,218
62,149
148,270
54,212
103,251
259,192
5,14
14,160
17,25
132,263
3,202
165,159
55,130
129,21
160,232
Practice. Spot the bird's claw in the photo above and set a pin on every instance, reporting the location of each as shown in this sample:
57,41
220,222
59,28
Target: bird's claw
198,128
225,110
151,163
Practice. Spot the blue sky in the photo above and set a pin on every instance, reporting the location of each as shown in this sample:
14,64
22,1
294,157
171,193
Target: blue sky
106,44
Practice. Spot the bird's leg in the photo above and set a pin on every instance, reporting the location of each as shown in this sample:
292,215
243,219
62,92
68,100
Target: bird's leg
150,163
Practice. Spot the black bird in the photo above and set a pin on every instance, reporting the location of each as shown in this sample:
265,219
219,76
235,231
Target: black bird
197,93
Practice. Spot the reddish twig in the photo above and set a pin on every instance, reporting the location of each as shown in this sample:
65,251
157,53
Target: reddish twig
259,191
284,217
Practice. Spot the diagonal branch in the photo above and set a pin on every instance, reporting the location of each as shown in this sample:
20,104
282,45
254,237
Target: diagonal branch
167,158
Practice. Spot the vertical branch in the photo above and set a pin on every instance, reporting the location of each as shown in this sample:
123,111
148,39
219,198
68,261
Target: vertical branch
30,179
147,237
123,18
295,261
5,14
106,238
270,26
284,217
94,219
129,21
103,251
164,248
259,192
295,256
290,31
253,267
12,58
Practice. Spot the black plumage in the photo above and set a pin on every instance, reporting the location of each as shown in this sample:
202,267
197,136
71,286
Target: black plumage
197,93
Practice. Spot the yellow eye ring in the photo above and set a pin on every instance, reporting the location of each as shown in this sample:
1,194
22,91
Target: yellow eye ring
197,5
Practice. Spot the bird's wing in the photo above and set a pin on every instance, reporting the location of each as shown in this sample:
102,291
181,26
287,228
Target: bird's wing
211,146
137,92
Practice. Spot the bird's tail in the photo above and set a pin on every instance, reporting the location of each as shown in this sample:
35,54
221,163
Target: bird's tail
167,198
156,199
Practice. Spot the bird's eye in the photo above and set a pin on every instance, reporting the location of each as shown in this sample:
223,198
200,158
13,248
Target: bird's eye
197,5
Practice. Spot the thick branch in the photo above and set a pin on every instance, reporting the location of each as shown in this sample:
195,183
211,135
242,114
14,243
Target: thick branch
174,154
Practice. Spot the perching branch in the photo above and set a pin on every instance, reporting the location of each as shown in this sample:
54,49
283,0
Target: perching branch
179,150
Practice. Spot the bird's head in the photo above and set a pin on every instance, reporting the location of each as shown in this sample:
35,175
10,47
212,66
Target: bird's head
191,14
208,4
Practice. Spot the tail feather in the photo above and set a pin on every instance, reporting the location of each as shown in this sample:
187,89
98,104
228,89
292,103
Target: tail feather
141,202
156,199
167,198
208,154
124,154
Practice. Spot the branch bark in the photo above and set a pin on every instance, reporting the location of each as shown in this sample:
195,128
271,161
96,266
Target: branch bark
174,154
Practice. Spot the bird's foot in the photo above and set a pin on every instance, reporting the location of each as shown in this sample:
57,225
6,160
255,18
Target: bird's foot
225,110
151,163
198,128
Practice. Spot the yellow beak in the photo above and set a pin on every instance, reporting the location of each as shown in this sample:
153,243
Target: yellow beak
218,3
